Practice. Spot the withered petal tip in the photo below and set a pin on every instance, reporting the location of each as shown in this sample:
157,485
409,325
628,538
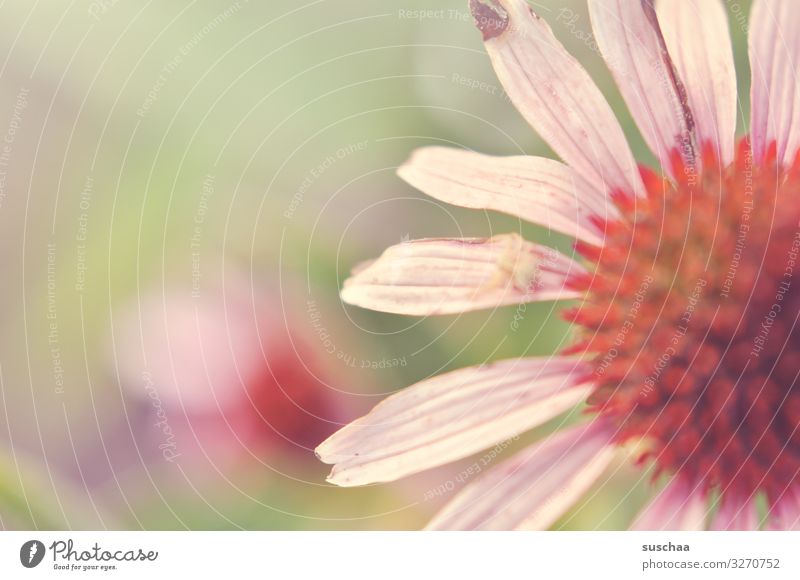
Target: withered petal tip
490,18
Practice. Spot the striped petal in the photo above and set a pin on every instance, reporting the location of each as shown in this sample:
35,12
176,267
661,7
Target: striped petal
678,506
699,42
452,416
735,515
447,276
538,190
632,44
555,94
774,93
536,487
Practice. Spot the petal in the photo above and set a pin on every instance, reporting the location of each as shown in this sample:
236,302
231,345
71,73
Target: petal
736,515
536,487
634,49
785,514
699,42
541,191
447,276
555,94
678,506
774,95
452,416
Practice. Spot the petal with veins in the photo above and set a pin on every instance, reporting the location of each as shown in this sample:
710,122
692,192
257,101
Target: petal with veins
452,416
774,95
699,42
447,276
534,488
538,190
555,94
632,44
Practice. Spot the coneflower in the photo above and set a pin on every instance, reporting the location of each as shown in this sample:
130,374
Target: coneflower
222,377
688,344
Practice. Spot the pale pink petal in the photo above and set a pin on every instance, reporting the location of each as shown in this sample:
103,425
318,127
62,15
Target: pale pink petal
447,276
534,488
785,514
539,190
699,42
555,94
736,515
452,416
678,506
634,49
774,94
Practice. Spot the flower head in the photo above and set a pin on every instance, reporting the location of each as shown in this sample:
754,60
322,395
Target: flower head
687,342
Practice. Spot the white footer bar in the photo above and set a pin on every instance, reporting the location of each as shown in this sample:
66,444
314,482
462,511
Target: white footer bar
406,555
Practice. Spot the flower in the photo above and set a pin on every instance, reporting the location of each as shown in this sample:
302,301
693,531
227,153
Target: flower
223,374
688,349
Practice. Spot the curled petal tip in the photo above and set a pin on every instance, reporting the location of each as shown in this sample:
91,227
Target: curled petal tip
323,451
339,480
490,18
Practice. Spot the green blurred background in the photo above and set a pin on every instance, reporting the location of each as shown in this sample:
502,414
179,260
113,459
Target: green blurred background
174,157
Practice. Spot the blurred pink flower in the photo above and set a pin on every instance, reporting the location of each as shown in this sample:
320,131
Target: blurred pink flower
221,377
688,344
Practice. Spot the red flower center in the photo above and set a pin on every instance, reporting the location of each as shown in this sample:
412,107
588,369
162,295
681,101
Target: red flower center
691,319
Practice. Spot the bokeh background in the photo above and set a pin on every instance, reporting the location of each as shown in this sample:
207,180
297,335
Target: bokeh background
184,185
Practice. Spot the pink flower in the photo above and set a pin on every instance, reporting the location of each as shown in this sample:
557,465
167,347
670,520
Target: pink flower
224,375
687,347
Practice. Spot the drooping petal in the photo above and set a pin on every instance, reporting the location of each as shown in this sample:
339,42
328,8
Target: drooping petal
630,39
679,506
452,416
774,94
447,276
736,515
785,514
555,94
699,42
539,190
534,488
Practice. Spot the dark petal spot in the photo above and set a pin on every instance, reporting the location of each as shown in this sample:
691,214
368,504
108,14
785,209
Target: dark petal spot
491,21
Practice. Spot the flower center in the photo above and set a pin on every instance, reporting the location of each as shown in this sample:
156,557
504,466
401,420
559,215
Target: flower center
691,318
